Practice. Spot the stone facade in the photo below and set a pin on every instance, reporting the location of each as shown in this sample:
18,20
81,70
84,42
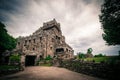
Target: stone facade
47,40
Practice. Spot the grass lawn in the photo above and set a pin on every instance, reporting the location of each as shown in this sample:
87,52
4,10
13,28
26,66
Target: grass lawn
101,59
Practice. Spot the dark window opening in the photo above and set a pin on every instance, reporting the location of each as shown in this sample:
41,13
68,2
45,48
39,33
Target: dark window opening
33,48
67,50
29,41
34,40
51,48
60,50
25,42
40,38
57,37
18,43
41,57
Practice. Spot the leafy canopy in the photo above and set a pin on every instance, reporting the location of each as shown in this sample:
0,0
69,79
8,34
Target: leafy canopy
110,20
100,55
80,55
7,42
89,50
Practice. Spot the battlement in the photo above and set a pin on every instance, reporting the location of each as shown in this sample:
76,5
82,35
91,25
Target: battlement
50,24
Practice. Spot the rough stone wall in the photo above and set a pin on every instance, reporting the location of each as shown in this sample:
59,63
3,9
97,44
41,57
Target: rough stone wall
47,40
109,71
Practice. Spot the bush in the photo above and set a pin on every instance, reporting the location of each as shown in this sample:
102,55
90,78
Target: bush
80,55
99,55
14,58
48,57
8,69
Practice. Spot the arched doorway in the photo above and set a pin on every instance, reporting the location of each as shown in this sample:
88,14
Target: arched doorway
30,60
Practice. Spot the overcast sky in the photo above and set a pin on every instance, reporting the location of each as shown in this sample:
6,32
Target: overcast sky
78,18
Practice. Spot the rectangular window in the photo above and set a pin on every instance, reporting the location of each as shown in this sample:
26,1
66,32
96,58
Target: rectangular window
25,42
29,41
34,40
40,38
18,43
33,49
51,48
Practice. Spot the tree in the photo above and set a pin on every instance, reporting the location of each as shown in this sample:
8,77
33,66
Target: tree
100,55
80,55
119,53
7,42
89,50
110,20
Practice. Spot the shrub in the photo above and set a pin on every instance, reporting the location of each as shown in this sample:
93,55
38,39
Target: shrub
14,58
99,55
48,57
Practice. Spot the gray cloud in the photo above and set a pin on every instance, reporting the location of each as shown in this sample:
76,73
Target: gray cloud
79,21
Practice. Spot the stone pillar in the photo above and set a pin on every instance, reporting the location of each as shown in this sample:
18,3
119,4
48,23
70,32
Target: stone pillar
22,61
37,59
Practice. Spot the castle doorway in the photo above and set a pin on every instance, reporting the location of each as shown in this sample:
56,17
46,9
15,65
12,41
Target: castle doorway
6,61
30,60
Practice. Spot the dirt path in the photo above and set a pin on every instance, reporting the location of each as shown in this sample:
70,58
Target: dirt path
47,73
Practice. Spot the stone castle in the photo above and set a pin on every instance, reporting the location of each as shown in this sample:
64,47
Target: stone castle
46,41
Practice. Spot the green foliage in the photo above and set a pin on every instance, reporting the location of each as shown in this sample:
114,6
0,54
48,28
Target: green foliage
80,55
109,59
97,59
89,50
7,67
99,55
48,57
7,42
15,58
110,20
46,61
